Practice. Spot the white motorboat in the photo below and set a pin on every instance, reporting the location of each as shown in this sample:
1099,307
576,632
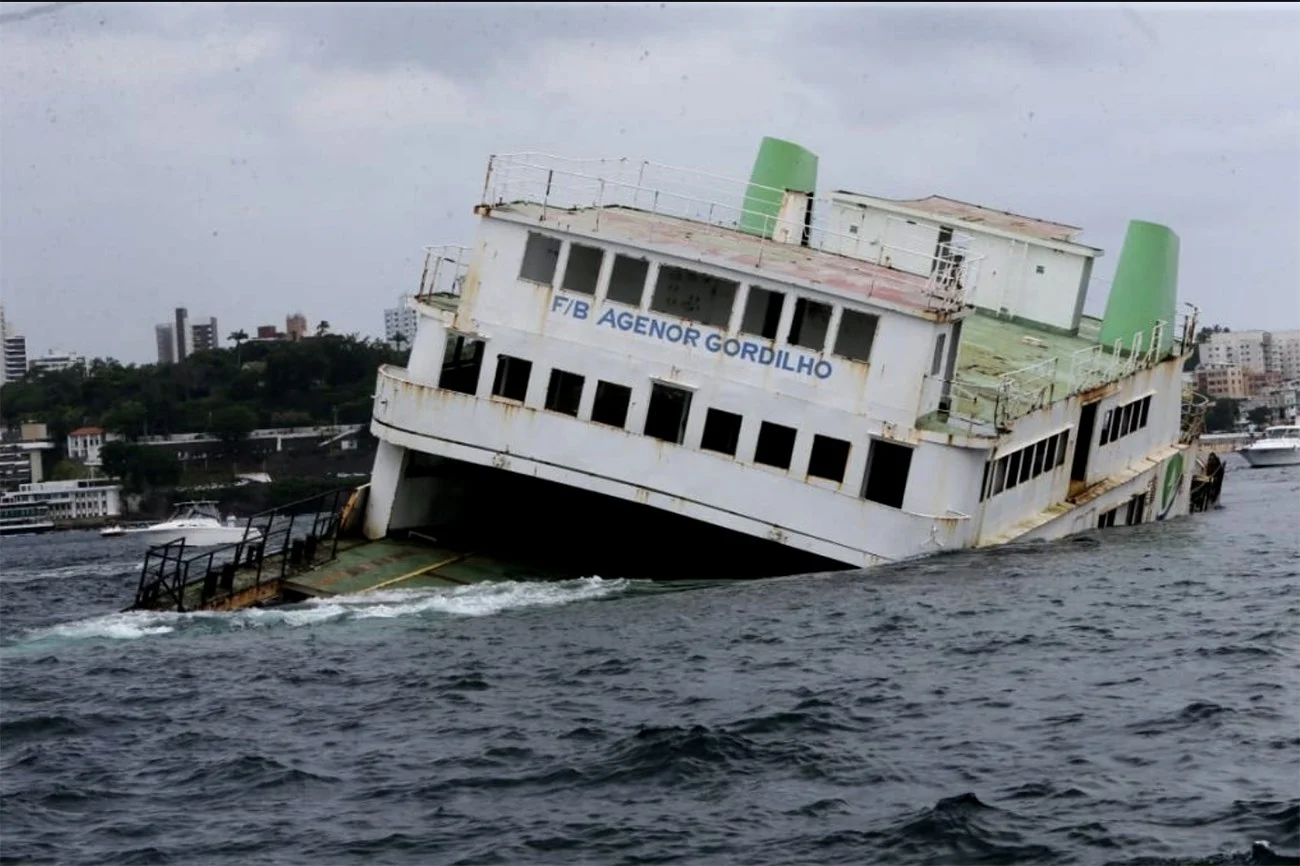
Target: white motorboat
1279,446
199,523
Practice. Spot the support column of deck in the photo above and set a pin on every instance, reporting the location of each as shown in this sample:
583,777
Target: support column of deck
385,483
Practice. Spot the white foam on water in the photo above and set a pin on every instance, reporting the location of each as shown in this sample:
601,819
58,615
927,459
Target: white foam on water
482,599
109,568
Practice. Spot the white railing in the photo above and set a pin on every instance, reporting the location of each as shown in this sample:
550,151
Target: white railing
445,267
560,184
1029,388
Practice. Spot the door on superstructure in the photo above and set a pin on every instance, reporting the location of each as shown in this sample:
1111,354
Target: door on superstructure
1083,447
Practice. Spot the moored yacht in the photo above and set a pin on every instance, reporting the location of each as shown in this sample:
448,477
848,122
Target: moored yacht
199,523
1279,446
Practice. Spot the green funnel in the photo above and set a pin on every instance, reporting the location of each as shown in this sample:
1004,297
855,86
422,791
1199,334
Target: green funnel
780,166
1145,290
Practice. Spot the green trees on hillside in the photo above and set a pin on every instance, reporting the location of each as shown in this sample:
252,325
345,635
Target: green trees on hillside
228,392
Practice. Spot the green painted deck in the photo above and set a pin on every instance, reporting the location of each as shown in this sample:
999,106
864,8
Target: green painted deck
390,564
992,348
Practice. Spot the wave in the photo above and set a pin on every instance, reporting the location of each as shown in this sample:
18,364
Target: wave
483,599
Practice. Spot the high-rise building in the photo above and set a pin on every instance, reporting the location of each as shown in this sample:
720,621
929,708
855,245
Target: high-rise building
182,333
14,348
15,357
400,320
166,337
295,326
205,335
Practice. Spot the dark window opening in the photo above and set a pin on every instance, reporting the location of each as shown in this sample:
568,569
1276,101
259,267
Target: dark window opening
942,249
1126,425
936,364
667,413
809,324
1107,519
1146,408
984,482
1137,507
610,405
689,294
1061,441
999,476
1105,427
775,445
1040,454
461,365
829,457
888,465
583,269
721,432
511,380
1083,442
856,335
564,392
1026,464
541,254
762,312
627,280
1116,423
1049,454
1013,469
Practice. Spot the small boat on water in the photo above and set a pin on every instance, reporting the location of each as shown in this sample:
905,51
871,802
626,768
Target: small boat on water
199,523
1279,446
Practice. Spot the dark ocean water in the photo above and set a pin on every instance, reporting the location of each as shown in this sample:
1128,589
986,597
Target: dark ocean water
1128,697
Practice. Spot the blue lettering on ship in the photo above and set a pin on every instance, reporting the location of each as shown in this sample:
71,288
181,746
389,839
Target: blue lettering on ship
711,341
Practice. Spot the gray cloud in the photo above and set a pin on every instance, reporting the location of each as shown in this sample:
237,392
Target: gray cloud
249,160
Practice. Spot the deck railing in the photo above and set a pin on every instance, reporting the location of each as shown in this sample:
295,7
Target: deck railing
1042,383
445,268
717,204
288,539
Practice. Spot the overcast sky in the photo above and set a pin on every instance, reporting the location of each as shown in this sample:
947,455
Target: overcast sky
254,160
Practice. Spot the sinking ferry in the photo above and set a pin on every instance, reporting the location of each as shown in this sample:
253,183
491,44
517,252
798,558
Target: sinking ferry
664,373
686,368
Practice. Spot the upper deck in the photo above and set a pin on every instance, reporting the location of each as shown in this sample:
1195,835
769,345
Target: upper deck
977,215
698,217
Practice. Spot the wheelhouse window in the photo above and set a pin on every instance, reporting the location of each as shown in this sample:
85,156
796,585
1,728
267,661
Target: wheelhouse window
627,280
462,363
828,459
888,466
611,404
775,445
689,294
583,269
762,314
857,334
564,392
541,255
721,432
809,324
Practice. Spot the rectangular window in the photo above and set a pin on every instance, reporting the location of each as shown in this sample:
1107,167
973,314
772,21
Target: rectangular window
610,405
511,380
762,312
1061,442
809,324
1040,453
856,335
775,445
583,269
541,254
888,465
1116,418
999,476
462,363
1105,427
689,294
1013,469
1026,464
721,432
627,280
1146,408
564,392
667,413
828,459
1049,454
984,482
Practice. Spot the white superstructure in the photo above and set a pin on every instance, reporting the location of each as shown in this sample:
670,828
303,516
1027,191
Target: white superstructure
616,357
